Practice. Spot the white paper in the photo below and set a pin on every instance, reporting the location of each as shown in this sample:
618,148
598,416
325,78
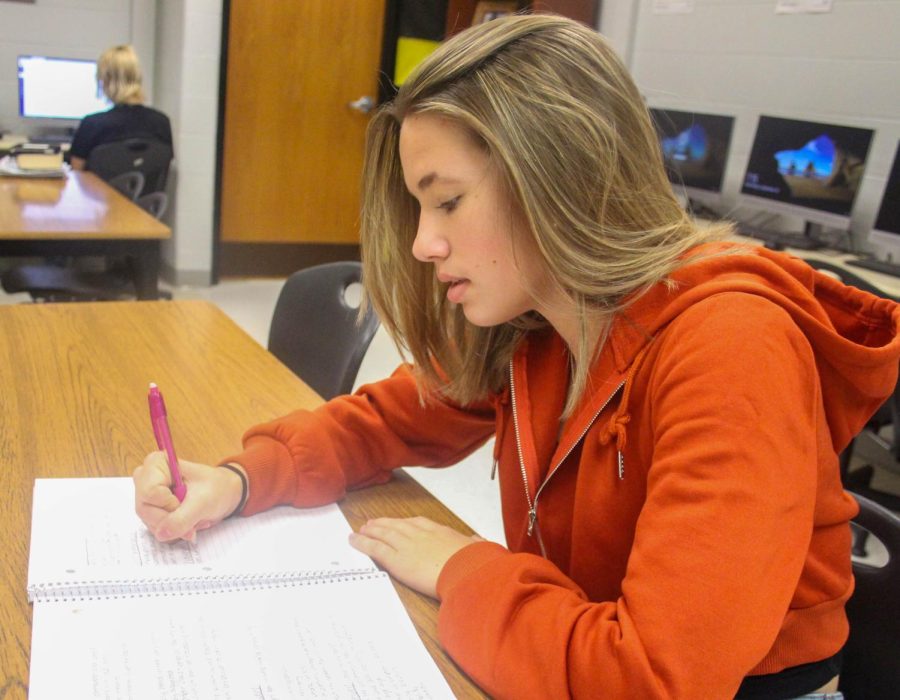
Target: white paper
794,7
87,530
343,639
226,618
673,7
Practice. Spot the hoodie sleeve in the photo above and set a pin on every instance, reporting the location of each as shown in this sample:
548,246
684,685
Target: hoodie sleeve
311,458
728,441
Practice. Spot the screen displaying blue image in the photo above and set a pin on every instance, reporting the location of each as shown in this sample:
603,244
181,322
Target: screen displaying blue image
59,88
809,164
694,146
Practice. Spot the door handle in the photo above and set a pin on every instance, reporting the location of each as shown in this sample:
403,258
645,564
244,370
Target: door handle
364,104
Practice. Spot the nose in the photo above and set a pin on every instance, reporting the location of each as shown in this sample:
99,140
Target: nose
429,245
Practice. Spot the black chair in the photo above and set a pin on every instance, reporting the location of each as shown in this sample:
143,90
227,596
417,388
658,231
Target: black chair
130,184
149,157
871,666
154,203
878,444
315,331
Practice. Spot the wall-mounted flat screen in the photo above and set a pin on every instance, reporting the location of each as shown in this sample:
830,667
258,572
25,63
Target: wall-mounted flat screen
59,88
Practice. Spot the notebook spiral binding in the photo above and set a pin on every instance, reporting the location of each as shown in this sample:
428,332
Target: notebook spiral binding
111,589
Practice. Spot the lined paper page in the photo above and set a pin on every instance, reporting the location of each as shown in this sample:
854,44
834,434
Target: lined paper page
86,529
341,639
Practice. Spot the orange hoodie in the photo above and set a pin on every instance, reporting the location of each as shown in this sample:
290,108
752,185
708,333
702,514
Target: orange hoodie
685,528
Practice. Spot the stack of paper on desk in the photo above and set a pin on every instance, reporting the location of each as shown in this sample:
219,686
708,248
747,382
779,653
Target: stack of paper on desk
273,606
36,165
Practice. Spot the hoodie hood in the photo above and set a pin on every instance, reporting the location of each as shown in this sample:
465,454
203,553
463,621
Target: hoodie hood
855,336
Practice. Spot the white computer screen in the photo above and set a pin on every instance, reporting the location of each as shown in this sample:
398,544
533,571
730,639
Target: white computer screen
59,88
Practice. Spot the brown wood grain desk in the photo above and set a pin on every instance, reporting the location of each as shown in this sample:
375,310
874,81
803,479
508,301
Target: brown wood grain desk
73,390
79,215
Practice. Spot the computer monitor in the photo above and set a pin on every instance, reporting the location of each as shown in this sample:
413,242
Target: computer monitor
695,150
887,223
806,169
59,88
885,234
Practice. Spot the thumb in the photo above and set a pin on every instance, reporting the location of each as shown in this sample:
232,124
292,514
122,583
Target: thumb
182,522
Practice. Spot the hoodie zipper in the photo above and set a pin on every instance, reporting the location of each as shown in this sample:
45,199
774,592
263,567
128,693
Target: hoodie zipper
532,505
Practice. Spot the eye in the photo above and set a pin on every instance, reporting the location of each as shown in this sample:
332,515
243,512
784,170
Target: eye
450,204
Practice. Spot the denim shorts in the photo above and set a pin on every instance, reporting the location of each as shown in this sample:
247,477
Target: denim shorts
822,696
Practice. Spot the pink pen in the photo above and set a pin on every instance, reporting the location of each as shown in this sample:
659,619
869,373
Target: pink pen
164,439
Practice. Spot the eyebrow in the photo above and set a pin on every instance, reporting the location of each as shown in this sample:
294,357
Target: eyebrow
426,181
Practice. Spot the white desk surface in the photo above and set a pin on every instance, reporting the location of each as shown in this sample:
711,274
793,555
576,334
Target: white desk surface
887,283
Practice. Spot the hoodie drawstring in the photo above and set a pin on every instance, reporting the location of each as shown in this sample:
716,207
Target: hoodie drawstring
616,425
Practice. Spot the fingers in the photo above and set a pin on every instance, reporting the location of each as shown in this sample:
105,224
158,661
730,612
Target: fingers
413,550
153,499
381,538
212,495
157,506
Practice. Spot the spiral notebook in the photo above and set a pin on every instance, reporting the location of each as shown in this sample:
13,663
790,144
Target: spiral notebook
277,605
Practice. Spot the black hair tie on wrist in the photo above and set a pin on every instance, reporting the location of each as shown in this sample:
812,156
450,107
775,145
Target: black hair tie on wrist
244,489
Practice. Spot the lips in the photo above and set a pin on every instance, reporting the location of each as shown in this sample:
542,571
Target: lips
456,287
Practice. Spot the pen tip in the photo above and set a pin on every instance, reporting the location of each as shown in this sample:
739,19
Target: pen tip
153,385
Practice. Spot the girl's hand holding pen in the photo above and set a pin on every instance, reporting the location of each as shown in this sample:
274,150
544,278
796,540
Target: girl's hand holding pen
213,494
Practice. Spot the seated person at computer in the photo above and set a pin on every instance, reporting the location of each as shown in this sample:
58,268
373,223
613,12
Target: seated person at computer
667,406
119,74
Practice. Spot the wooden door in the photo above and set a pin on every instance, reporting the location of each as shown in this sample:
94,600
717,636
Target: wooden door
293,147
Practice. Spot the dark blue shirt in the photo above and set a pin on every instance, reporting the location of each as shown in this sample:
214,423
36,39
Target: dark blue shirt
117,124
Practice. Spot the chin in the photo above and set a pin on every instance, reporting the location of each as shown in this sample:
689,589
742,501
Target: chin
484,320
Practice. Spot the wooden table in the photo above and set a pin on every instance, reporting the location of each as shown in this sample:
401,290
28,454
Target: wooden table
73,390
79,215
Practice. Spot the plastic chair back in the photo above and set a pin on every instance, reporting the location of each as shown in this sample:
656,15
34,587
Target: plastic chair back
155,203
314,328
871,667
149,157
130,184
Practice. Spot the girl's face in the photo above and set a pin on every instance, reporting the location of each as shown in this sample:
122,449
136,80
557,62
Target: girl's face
467,225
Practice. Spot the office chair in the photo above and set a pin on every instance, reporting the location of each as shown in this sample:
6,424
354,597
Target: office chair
871,664
878,443
154,203
315,331
130,184
149,157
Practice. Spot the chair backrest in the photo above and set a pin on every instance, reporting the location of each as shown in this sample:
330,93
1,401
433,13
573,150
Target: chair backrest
130,184
147,156
155,203
871,667
314,329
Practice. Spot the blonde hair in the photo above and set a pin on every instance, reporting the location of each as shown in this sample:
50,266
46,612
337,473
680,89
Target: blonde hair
119,71
575,148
